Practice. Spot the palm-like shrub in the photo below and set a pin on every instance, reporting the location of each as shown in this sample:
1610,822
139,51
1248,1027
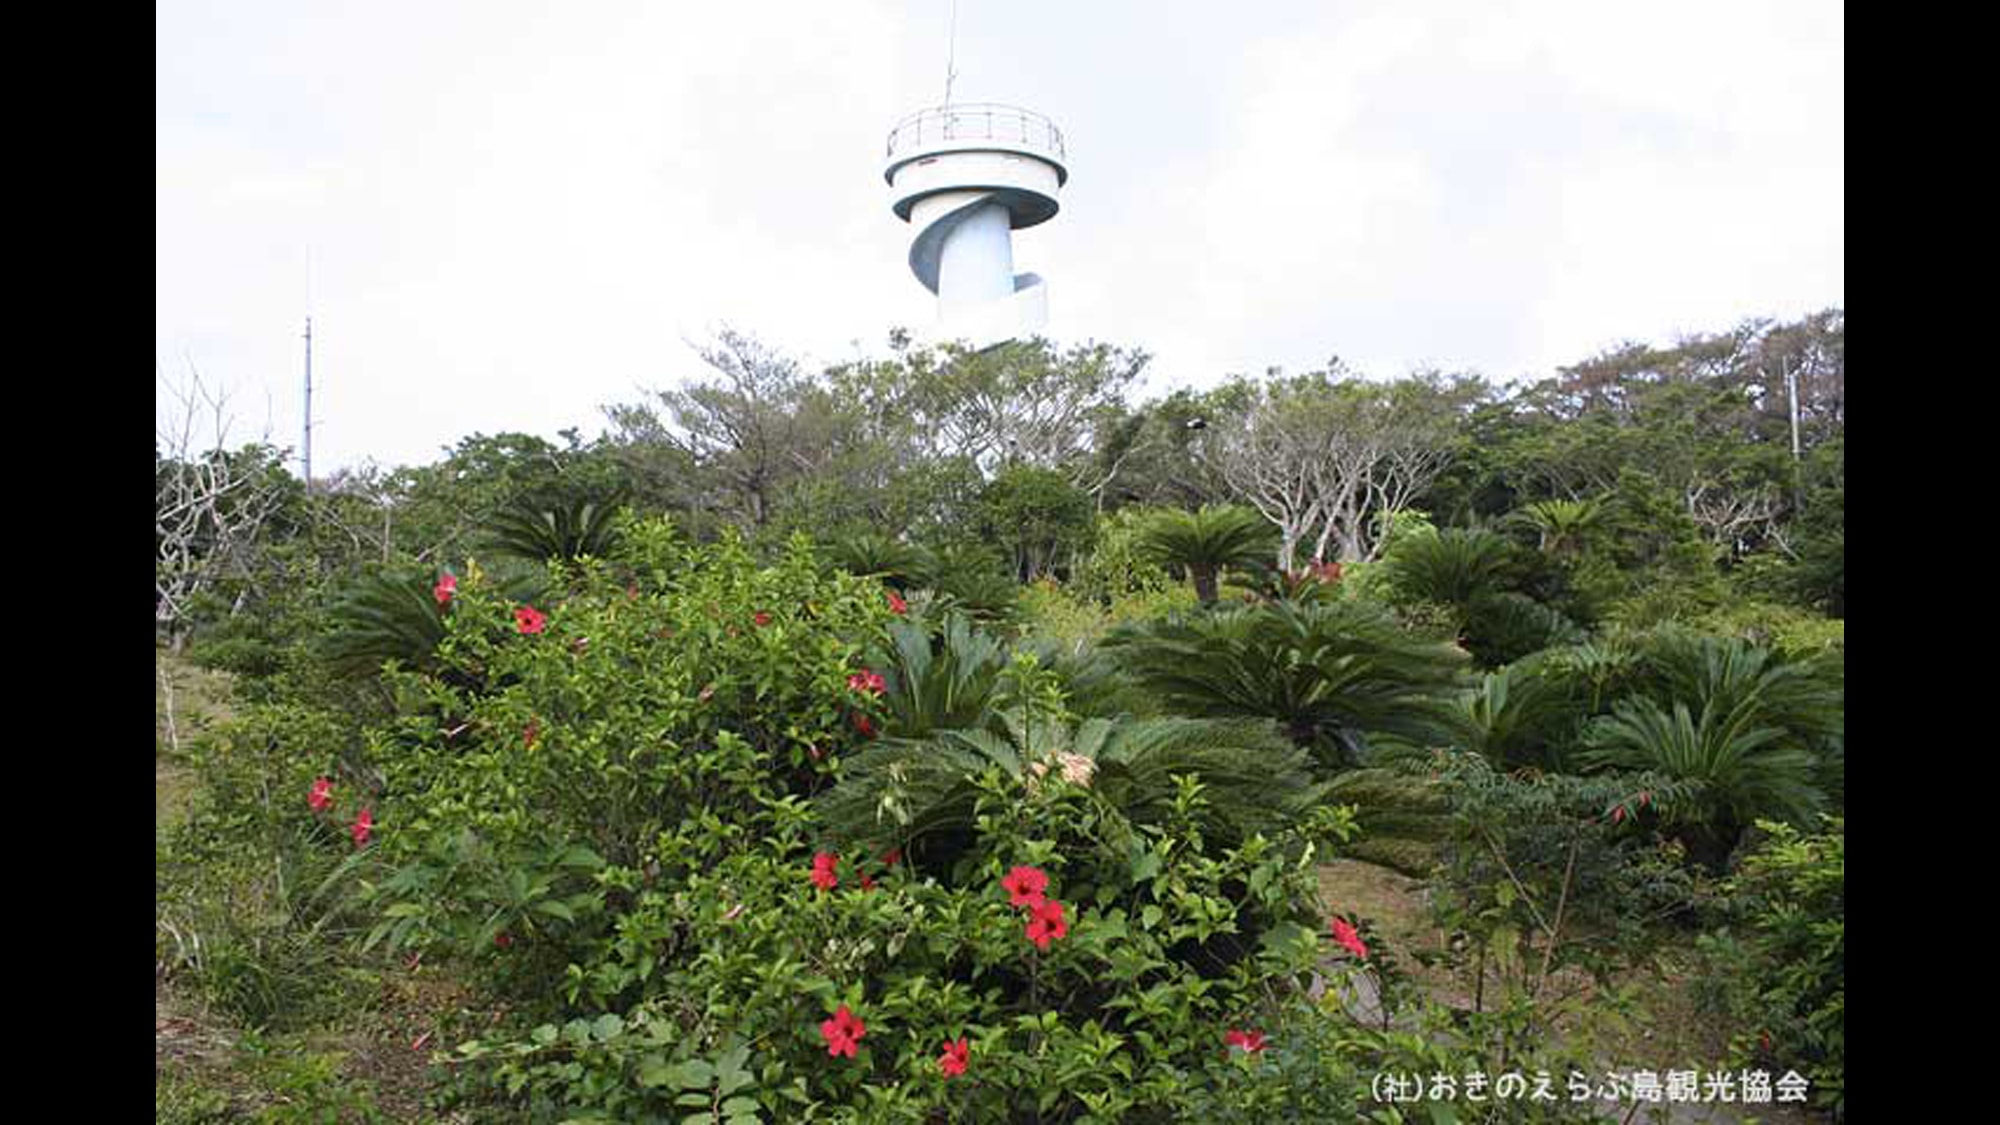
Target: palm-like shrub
1091,681
920,794
1732,766
1208,541
382,616
1753,733
1517,716
1802,697
1334,675
951,682
974,581
1504,627
1451,566
867,555
565,529
1559,525
1475,573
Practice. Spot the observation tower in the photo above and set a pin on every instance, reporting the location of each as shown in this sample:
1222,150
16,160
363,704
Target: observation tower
966,177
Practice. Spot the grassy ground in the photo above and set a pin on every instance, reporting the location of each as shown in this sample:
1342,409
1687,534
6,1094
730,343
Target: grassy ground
353,1057
1672,1033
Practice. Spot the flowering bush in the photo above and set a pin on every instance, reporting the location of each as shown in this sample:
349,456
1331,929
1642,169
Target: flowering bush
633,727
1051,976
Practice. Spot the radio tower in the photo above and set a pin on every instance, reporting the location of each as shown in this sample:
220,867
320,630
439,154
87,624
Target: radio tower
965,177
308,443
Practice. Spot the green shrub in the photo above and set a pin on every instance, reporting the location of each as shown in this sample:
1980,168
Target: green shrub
1170,941
254,887
1778,965
632,733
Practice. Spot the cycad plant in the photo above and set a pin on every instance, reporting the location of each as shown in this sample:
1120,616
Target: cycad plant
1559,525
1335,676
1208,541
565,529
919,794
901,566
974,580
1474,572
950,682
1450,566
1516,716
380,616
1734,768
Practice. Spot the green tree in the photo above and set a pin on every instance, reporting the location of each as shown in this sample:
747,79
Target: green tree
1337,676
1037,517
1207,541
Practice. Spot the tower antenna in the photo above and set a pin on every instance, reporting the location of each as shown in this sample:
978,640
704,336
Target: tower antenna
309,403
951,53
307,445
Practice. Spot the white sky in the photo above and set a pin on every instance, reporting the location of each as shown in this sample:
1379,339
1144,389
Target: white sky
506,215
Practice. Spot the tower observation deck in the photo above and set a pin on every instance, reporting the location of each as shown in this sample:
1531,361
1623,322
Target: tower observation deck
966,176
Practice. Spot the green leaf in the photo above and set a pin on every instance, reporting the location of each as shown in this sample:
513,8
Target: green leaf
1145,865
555,908
694,1074
654,1070
607,1027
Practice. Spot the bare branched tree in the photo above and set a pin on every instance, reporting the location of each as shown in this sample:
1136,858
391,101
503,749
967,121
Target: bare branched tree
209,504
1322,454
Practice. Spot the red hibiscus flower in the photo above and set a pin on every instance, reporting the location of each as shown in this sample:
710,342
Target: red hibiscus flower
363,825
842,1032
1024,886
862,724
321,797
503,939
1618,815
899,607
528,620
892,857
867,884
1047,923
761,618
1349,938
1248,1040
952,1062
447,585
823,876
870,683
530,733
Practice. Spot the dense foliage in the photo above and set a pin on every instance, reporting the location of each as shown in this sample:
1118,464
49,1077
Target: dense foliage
954,736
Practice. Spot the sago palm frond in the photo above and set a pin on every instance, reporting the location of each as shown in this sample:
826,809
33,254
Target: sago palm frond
1744,769
1207,542
1450,566
949,682
1333,675
567,530
920,794
1502,628
382,616
903,566
1514,717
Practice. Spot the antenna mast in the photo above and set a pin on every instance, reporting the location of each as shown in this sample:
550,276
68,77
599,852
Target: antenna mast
951,53
307,446
309,403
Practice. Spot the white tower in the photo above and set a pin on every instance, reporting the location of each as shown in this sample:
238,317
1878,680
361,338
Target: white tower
966,177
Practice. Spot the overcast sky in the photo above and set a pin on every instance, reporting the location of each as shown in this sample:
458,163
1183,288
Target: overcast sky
503,216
